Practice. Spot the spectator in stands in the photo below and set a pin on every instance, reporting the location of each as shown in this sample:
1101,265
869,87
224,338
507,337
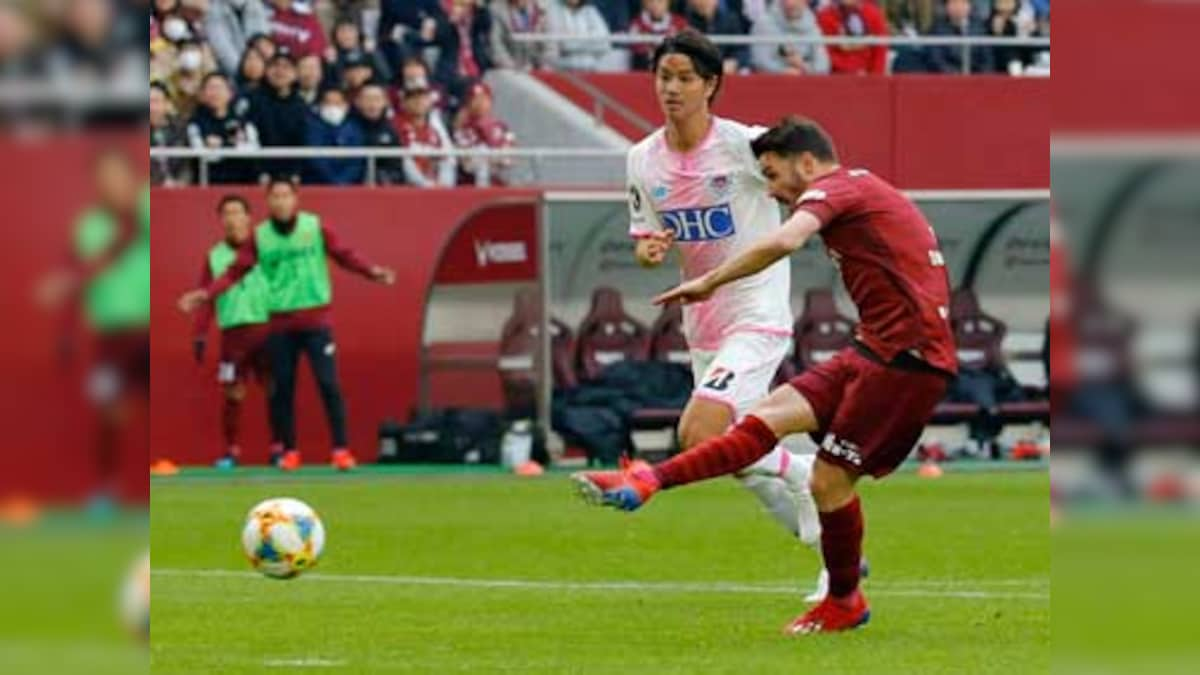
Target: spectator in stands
708,17
1005,22
215,125
280,116
310,78
910,17
163,9
251,72
421,127
296,29
578,18
618,14
166,131
789,18
656,18
192,63
265,44
347,38
407,27
958,21
470,45
476,126
230,25
855,18
517,16
415,72
373,117
330,126
356,71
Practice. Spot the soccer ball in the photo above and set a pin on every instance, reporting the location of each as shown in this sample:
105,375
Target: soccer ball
283,537
135,599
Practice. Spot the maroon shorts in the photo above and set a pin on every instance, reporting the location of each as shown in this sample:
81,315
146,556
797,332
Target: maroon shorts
244,353
870,415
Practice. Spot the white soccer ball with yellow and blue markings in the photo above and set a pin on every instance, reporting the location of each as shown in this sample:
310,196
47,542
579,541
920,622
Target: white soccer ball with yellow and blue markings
283,537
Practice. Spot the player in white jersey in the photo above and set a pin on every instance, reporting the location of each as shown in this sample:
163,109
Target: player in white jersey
695,185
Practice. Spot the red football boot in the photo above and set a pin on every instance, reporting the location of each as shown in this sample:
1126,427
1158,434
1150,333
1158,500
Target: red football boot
291,460
626,489
832,615
342,460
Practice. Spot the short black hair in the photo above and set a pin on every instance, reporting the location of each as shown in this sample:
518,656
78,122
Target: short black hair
794,135
233,199
330,89
161,86
214,75
704,53
281,179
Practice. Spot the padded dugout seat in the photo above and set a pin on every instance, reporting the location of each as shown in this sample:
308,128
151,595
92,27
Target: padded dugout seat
608,335
520,340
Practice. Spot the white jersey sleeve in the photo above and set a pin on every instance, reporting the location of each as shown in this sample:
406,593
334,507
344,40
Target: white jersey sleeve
643,220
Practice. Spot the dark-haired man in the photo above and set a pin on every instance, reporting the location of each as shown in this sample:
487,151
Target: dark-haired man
291,250
869,404
695,185
243,314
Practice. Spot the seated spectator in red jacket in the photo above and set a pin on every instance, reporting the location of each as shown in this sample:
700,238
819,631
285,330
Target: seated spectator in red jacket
297,30
420,126
855,18
657,19
477,127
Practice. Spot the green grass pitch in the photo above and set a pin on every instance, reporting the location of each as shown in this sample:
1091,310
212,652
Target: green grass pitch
479,572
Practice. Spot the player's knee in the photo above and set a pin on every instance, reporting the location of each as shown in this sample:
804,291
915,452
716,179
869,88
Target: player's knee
831,485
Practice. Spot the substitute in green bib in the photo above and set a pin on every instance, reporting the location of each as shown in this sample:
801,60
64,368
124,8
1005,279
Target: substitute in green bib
291,250
243,314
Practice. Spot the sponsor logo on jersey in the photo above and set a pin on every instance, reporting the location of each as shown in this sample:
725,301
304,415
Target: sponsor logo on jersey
709,223
719,185
660,193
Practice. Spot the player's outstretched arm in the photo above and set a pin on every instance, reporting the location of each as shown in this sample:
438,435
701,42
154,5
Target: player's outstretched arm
789,237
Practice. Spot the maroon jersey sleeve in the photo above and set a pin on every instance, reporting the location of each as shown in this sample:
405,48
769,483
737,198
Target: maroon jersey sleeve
246,260
829,197
204,315
346,257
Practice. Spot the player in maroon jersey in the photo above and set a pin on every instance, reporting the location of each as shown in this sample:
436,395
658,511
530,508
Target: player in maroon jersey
867,406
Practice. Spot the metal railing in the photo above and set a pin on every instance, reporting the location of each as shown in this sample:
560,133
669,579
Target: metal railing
965,42
204,157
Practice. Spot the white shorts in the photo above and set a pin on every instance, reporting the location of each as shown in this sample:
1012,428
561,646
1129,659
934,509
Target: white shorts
741,372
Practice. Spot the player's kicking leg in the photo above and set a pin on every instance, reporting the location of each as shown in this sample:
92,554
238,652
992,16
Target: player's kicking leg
782,413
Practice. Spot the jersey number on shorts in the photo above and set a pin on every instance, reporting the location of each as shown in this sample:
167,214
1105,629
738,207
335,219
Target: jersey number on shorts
720,379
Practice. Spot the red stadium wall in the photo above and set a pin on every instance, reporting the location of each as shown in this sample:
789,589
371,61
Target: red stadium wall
378,329
921,132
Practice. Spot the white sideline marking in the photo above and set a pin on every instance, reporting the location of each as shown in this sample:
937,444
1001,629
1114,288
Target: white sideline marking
951,588
302,663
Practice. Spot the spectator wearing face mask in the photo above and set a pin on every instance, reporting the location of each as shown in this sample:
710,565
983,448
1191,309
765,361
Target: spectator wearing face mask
192,64
330,126
230,25
280,115
372,115
788,18
855,18
421,127
476,126
215,125
959,22
296,29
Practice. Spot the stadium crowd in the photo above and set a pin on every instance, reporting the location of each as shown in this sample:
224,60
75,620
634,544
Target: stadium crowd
252,74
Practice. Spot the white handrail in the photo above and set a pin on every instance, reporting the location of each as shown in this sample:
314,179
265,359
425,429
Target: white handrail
847,40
